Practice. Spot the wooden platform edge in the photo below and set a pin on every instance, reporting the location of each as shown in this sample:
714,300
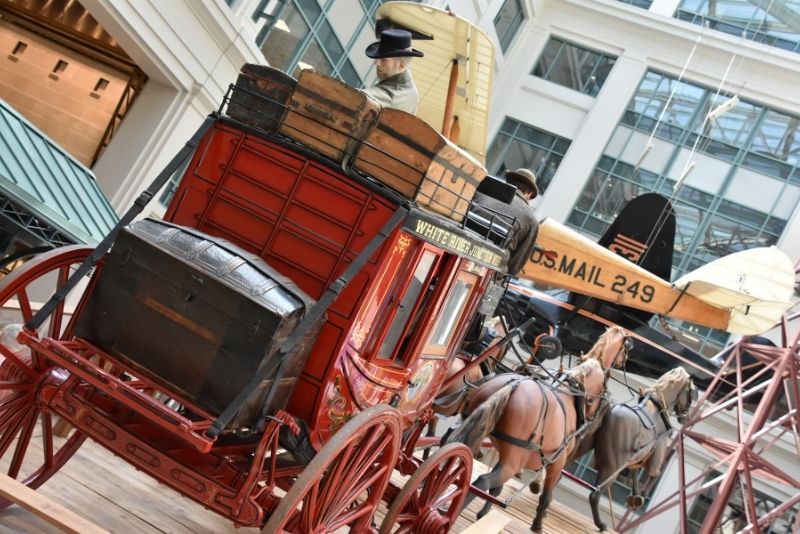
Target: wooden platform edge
492,523
50,511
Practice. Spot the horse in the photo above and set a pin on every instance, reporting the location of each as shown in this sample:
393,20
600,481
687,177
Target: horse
635,437
611,349
532,423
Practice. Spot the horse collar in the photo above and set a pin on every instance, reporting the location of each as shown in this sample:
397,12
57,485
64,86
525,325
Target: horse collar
660,405
572,382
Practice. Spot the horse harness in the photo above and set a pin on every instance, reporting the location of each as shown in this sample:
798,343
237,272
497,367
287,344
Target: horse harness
455,401
647,421
645,417
530,444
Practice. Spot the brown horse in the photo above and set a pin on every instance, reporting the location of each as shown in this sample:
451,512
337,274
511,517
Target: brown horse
635,437
611,350
532,423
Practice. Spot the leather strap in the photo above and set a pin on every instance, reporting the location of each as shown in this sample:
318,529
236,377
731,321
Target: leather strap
276,364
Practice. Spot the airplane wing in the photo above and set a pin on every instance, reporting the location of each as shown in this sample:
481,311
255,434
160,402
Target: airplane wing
754,285
453,38
568,260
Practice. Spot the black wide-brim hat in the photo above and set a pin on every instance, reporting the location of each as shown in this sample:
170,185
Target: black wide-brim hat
393,43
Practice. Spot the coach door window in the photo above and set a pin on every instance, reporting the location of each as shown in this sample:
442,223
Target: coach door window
409,305
452,311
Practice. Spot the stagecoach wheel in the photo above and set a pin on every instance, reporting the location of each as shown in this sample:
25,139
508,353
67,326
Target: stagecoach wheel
30,449
344,482
432,498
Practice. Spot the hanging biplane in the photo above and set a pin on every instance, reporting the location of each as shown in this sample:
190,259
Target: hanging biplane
753,287
273,347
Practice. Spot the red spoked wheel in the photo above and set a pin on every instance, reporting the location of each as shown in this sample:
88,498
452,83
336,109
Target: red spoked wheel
30,450
432,498
343,484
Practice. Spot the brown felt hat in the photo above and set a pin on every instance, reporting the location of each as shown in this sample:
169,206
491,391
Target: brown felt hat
524,177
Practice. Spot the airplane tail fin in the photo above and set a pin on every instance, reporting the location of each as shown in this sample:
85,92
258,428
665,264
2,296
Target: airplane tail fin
643,233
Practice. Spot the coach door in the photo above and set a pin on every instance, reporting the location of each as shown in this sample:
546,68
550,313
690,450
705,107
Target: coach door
442,333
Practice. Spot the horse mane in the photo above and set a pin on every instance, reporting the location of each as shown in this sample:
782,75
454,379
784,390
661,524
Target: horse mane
668,380
584,369
601,345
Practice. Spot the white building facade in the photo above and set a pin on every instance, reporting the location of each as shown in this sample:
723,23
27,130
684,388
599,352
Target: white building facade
602,99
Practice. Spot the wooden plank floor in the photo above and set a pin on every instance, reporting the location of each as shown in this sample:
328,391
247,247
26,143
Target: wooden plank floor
559,519
109,492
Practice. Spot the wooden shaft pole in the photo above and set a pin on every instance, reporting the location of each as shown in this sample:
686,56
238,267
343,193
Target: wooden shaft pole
447,120
455,130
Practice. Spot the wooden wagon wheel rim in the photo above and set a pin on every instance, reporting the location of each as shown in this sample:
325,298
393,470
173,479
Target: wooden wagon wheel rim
344,482
21,419
432,498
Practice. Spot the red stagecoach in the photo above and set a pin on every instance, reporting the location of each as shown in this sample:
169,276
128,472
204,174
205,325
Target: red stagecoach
273,347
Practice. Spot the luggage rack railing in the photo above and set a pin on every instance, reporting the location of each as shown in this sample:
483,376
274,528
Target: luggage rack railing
135,393
496,229
491,224
342,123
273,122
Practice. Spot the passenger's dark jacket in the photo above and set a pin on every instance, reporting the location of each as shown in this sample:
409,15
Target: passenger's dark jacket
523,234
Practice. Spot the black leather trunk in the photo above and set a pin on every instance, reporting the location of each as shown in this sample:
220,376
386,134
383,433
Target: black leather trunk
196,314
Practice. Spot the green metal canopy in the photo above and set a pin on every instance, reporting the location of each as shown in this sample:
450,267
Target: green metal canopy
46,192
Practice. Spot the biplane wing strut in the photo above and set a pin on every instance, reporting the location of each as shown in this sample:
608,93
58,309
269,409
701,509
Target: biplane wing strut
714,295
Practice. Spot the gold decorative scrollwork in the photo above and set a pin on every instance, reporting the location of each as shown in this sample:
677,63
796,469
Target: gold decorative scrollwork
402,244
337,407
359,335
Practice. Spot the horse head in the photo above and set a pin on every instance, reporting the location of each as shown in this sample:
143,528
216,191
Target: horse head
676,392
612,348
683,403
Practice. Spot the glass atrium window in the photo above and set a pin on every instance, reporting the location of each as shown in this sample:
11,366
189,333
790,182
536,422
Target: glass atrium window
644,4
519,145
573,66
297,35
284,38
740,173
775,23
507,21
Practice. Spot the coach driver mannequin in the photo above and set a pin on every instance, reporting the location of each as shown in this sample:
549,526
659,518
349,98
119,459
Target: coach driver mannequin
392,55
